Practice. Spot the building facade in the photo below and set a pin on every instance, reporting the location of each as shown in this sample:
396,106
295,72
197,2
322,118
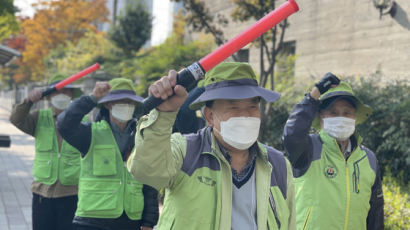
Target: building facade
346,37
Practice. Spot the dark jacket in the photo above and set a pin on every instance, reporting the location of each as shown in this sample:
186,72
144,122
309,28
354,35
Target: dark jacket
187,120
78,134
304,148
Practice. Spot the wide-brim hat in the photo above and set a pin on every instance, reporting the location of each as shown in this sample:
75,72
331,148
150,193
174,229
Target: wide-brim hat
121,88
343,91
232,81
58,77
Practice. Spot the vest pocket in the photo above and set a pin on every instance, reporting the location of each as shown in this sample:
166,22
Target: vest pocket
356,175
70,171
104,161
98,195
273,208
42,168
134,199
44,139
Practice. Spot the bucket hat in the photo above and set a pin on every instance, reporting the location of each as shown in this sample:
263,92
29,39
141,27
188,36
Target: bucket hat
343,91
121,88
232,80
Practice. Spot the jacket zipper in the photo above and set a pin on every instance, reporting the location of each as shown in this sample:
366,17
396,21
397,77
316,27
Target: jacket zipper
356,175
347,196
307,217
347,188
273,207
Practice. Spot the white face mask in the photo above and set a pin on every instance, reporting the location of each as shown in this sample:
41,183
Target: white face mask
340,128
123,112
240,132
61,101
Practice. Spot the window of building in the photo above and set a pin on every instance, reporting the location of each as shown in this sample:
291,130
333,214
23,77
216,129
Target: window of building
286,59
243,55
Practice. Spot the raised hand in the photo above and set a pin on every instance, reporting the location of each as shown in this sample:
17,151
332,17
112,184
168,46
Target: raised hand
101,89
326,82
35,95
167,89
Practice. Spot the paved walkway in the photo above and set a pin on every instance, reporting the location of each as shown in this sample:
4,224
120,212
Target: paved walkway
15,176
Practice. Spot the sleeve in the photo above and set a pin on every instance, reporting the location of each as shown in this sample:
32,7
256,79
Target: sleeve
187,121
151,212
22,119
158,156
296,139
375,217
291,197
75,132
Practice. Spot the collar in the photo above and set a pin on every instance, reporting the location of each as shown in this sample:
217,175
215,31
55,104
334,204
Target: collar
253,152
348,149
239,178
128,129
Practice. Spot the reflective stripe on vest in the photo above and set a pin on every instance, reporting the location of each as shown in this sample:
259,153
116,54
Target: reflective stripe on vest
106,187
51,164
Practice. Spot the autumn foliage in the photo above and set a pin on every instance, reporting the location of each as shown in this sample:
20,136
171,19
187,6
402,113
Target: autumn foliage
56,22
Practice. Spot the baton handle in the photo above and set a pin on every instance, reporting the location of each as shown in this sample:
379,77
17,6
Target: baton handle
48,91
187,77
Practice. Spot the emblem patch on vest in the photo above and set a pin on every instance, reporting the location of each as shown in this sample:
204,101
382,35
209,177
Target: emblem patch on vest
330,172
207,180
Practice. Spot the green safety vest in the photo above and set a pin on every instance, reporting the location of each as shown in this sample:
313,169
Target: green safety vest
50,162
334,193
106,188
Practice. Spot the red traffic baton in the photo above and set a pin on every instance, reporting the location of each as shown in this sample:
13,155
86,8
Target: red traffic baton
189,76
71,79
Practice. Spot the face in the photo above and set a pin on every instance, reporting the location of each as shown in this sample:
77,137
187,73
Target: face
222,110
124,114
340,108
56,109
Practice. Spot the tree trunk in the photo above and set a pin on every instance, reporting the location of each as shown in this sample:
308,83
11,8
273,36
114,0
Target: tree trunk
114,13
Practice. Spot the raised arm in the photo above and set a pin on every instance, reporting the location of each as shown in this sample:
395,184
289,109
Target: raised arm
158,156
75,132
187,121
296,138
21,116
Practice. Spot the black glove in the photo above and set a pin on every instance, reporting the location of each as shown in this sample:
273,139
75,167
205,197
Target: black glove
324,84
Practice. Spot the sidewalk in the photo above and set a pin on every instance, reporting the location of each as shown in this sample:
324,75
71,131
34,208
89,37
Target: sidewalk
15,176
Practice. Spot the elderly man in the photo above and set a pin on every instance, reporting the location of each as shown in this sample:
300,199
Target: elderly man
221,177
108,198
337,179
56,165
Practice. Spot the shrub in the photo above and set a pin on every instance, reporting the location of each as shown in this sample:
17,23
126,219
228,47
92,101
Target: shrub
396,204
387,131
